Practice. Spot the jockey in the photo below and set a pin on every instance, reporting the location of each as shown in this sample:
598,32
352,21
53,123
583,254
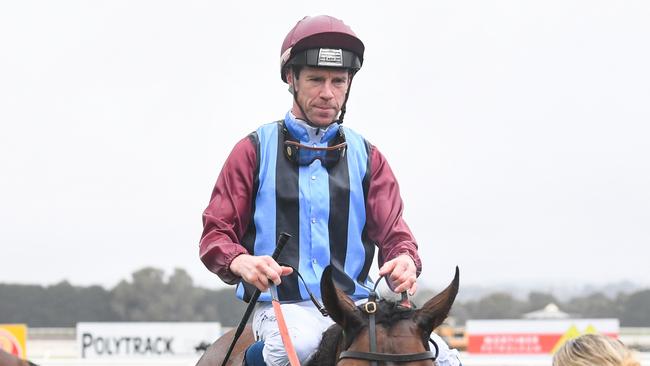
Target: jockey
317,180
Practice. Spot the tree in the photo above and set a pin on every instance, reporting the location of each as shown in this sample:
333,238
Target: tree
596,305
223,306
139,300
73,304
148,297
496,306
635,309
59,305
538,300
181,298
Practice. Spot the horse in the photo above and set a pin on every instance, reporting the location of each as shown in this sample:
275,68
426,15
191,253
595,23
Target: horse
384,331
7,359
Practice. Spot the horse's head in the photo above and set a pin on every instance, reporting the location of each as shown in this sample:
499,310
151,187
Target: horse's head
401,333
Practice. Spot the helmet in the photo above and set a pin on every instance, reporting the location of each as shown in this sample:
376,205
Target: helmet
321,41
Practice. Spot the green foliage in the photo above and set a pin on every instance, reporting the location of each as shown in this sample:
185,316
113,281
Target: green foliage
635,309
538,300
496,306
595,305
223,306
149,296
59,305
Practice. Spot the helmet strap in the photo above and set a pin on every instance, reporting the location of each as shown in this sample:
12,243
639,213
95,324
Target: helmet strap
345,101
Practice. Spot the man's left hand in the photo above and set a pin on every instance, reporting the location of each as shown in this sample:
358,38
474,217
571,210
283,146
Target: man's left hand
401,274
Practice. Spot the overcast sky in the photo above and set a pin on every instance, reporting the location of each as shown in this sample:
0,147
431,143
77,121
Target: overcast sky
518,130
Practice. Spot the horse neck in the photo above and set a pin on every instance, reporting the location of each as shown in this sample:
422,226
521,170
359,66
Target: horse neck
328,350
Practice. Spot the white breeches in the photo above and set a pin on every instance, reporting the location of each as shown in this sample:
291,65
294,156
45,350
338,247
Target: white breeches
304,322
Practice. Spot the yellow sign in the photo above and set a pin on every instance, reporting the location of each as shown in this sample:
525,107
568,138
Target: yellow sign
13,338
572,333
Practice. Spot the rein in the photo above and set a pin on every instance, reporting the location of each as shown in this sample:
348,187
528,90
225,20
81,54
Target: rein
282,241
370,308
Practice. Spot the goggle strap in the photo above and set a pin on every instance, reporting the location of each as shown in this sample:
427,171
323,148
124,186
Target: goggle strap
317,148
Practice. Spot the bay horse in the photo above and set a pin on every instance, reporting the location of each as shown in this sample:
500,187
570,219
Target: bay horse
7,359
384,332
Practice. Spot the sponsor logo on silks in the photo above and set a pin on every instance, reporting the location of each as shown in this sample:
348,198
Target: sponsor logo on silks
126,346
10,344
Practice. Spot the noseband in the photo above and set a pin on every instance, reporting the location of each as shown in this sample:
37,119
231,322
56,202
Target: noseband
373,356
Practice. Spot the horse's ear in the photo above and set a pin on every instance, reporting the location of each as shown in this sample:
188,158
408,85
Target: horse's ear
435,311
339,305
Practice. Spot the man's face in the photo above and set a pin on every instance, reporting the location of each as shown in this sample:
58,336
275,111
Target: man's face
321,93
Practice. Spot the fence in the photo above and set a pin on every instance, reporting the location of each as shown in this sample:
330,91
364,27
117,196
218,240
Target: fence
58,347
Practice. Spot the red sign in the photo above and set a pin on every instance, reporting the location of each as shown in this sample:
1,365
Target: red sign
531,336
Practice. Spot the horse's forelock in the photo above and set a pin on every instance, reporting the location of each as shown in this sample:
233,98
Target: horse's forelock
390,312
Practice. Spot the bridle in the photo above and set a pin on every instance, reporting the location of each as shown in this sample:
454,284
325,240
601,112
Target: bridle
373,356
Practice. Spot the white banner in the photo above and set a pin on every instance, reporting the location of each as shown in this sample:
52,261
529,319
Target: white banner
140,339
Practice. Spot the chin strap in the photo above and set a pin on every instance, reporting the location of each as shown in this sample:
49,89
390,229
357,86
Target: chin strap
347,95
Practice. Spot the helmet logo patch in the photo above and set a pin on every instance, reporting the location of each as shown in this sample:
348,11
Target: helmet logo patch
330,57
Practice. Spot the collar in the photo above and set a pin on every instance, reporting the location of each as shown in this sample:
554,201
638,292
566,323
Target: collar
306,133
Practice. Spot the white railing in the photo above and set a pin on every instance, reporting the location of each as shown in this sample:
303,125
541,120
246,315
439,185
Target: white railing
468,360
114,362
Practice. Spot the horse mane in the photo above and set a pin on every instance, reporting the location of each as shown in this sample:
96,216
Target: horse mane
388,313
7,359
326,354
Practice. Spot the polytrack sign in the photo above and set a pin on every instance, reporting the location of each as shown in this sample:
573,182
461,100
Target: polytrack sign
145,339
531,336
13,338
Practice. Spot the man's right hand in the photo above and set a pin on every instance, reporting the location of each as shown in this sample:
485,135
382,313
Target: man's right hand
259,270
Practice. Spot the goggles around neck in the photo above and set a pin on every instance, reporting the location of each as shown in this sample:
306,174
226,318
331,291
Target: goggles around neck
303,155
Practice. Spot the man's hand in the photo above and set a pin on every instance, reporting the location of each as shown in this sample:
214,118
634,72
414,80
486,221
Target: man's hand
401,274
258,270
